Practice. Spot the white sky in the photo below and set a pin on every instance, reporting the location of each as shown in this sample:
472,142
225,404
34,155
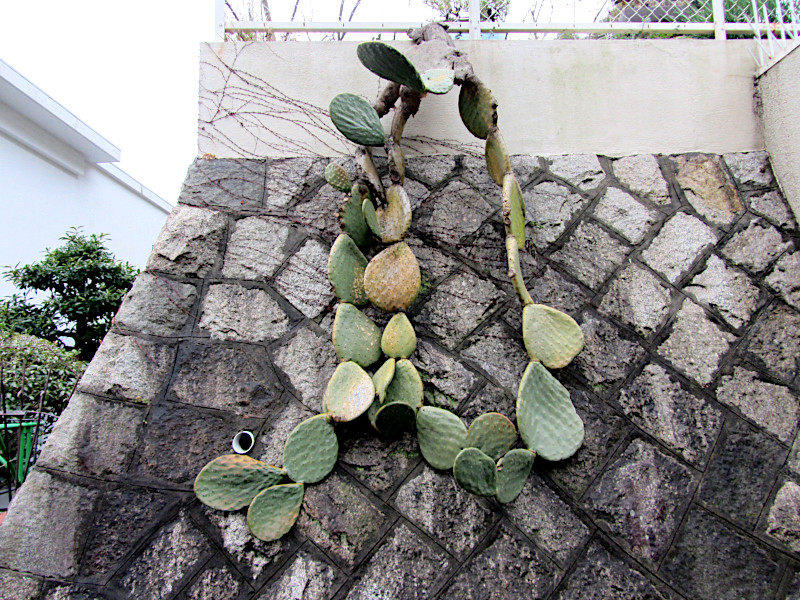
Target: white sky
129,69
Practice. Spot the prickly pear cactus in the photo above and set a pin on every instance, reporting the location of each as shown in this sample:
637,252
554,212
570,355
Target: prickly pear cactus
483,458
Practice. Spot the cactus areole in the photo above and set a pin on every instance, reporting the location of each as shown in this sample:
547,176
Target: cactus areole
390,395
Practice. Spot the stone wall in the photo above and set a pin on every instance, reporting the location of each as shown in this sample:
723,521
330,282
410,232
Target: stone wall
684,273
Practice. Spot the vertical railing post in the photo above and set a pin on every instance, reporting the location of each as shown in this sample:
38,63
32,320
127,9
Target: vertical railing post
219,20
474,19
718,8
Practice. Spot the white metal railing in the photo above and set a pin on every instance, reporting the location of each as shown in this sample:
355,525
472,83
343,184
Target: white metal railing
642,17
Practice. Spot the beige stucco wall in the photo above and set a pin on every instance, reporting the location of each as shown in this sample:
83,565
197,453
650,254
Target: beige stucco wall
779,89
610,97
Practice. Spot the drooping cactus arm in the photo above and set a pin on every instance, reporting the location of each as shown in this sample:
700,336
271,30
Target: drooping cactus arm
387,99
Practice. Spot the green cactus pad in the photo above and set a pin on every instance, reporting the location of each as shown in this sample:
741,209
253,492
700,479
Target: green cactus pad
438,81
497,160
389,63
515,271
406,385
351,219
349,393
311,450
392,278
355,336
476,105
231,482
346,267
397,161
338,177
514,209
382,378
395,418
546,417
370,217
475,472
357,120
395,219
399,339
441,436
493,434
512,472
550,336
273,512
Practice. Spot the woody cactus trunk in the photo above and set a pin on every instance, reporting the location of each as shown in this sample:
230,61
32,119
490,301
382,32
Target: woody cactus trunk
482,457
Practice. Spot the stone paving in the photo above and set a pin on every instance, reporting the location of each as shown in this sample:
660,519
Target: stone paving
684,273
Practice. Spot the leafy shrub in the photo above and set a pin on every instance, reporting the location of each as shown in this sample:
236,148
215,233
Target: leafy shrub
32,366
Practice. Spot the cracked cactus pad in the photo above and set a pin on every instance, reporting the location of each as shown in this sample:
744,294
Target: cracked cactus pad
311,450
398,339
512,473
550,336
355,336
441,436
346,266
515,271
355,118
475,472
493,434
230,482
273,512
349,393
392,278
546,417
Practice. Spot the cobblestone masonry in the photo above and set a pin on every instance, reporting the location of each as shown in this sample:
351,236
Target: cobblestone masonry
681,270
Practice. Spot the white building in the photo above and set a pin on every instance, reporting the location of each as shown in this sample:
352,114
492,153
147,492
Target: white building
56,173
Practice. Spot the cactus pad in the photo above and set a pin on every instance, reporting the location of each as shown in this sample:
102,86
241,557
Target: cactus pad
550,336
311,450
389,63
355,336
382,378
406,385
395,219
475,472
392,278
497,160
441,436
273,512
546,417
512,472
346,266
349,393
399,339
370,217
514,209
515,271
230,482
395,418
493,434
337,177
476,105
438,81
351,219
355,118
